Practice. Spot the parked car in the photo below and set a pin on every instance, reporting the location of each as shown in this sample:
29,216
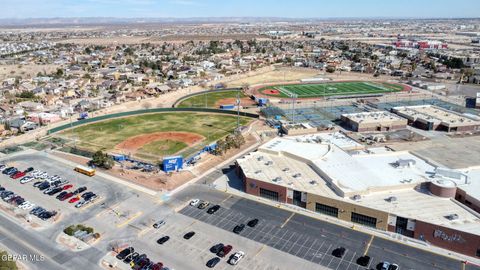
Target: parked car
363,261
212,262
87,194
67,187
128,259
239,228
66,196
43,186
36,184
194,202
26,179
63,193
235,258
18,175
189,235
385,266
54,191
158,266
159,224
393,266
213,209
74,200
12,171
225,250
338,252
79,190
216,248
203,205
163,240
252,223
124,253
28,170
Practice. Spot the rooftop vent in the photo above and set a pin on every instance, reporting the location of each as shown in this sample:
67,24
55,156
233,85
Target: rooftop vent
313,183
391,199
277,179
356,197
269,163
258,171
452,217
260,158
286,169
297,175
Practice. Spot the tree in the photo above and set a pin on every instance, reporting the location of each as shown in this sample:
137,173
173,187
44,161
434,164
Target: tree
239,140
59,73
102,160
7,262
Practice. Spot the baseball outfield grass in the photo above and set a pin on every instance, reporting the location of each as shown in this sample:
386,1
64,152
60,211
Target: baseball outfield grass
330,89
110,133
210,99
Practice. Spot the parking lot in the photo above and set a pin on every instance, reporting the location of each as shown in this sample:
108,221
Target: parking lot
36,196
314,240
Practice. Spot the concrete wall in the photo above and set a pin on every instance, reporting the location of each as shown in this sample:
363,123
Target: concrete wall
461,242
467,200
345,209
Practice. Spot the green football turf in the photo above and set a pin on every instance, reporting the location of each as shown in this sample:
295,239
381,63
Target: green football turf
333,89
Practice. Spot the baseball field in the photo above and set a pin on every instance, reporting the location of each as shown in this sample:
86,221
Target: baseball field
215,99
329,89
152,136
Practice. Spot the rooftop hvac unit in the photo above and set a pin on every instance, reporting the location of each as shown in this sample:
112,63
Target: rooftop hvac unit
356,197
277,179
257,172
313,183
452,217
391,199
269,163
297,175
260,158
286,169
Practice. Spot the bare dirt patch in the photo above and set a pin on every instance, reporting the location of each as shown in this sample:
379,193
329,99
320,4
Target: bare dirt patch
132,144
244,102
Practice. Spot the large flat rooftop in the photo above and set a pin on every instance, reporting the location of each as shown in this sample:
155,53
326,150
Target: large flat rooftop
434,114
374,117
322,168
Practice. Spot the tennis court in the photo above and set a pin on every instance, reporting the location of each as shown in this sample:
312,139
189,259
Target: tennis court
330,89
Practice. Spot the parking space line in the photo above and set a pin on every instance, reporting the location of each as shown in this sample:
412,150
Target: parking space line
129,219
325,254
287,220
368,245
224,200
310,248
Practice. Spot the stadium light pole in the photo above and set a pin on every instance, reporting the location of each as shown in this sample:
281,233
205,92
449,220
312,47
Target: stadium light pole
238,110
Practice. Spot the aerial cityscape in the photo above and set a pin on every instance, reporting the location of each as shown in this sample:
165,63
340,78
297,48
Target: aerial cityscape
242,135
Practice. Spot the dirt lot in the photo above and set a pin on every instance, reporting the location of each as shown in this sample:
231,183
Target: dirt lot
279,75
25,71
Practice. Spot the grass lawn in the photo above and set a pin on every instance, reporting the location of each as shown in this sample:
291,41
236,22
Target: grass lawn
107,134
198,101
163,147
333,89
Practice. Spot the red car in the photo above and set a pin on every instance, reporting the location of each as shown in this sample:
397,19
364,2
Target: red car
67,187
157,266
74,199
225,250
67,196
18,175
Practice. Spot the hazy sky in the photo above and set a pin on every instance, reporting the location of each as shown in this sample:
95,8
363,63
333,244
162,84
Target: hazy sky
240,8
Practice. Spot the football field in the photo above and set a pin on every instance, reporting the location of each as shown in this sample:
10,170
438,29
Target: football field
330,89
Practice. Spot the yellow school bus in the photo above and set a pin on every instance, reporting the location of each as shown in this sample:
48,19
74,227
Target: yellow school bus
85,170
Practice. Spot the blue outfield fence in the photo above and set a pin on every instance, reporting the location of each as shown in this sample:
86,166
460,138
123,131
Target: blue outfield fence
139,112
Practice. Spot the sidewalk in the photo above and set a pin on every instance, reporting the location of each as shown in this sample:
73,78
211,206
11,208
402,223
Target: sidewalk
224,184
